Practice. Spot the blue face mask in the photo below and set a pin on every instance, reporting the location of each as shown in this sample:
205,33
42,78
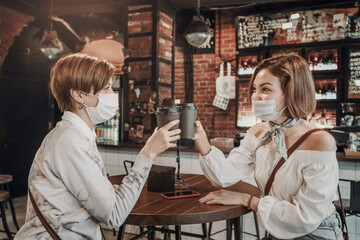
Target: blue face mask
266,110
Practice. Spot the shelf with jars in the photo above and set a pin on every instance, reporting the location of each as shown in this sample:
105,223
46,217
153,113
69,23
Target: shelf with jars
245,64
107,133
335,66
326,89
323,59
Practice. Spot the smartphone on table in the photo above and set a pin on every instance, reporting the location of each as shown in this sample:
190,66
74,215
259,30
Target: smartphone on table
180,194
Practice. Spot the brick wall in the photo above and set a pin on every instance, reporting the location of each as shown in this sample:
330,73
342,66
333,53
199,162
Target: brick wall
143,62
216,122
12,23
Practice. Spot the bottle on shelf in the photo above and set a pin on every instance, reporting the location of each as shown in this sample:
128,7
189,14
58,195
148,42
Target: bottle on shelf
328,92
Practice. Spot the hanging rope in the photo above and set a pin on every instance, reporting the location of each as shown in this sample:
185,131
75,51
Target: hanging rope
224,59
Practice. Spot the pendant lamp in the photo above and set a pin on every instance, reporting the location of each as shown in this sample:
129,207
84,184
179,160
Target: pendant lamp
198,32
50,45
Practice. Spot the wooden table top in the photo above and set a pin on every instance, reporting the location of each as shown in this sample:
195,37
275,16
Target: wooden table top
152,209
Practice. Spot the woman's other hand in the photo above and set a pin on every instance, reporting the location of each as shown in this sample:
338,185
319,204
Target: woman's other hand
225,197
201,140
161,140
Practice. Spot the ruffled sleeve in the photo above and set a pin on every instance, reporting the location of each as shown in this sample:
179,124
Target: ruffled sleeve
224,172
303,213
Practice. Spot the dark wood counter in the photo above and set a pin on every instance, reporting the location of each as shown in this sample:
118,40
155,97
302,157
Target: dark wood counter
342,158
132,145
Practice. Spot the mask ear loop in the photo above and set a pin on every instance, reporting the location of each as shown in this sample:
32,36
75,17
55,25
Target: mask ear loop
82,105
282,110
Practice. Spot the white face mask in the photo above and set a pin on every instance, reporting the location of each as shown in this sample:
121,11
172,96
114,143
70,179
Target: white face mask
266,110
106,108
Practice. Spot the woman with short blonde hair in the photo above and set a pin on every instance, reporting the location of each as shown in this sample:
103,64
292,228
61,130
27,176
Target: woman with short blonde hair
68,178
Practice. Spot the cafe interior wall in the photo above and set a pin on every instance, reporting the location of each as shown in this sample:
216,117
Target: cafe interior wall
27,110
216,122
24,104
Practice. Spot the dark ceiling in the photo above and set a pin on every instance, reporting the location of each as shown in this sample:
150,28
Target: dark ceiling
76,7
96,17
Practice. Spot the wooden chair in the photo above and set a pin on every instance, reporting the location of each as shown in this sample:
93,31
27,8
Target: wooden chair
5,180
4,197
352,205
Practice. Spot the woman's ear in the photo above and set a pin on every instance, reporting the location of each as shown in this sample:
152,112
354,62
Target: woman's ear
77,96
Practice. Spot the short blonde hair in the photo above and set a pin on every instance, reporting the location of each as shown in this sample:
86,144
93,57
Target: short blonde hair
296,82
79,72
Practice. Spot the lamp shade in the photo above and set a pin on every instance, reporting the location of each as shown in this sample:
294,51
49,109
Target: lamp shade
50,45
198,32
108,49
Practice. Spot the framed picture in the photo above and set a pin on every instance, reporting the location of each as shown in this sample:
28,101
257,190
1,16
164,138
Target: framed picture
140,131
244,117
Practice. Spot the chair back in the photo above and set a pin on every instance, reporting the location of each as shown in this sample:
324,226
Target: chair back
126,163
355,196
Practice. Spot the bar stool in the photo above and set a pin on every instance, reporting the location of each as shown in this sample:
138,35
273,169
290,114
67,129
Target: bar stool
5,179
4,197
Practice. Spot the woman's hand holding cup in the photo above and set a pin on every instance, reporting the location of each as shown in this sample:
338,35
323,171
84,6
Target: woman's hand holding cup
161,140
201,140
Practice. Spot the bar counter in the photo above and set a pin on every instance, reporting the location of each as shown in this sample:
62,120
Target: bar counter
132,145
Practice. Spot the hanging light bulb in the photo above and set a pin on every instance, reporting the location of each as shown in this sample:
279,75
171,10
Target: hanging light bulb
198,32
50,45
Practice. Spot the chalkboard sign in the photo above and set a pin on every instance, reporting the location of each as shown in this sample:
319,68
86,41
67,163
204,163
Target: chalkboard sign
295,27
354,74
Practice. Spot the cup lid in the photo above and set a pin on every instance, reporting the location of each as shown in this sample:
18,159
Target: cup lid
188,106
167,110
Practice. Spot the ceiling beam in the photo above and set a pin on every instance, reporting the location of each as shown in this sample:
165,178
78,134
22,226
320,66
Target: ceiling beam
76,9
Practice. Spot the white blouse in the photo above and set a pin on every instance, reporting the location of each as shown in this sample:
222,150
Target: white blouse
303,190
70,186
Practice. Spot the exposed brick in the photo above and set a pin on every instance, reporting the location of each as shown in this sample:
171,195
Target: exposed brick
204,82
11,24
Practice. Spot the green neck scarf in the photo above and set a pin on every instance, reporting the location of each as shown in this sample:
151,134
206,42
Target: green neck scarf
276,134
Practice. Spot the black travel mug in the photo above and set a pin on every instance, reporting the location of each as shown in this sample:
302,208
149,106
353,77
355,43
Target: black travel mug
187,119
164,115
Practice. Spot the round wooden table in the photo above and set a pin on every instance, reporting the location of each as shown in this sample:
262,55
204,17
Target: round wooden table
151,209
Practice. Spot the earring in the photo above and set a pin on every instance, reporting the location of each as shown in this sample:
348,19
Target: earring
81,107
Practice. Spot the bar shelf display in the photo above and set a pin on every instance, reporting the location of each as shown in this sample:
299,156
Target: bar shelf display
325,89
245,65
107,133
323,118
323,60
244,116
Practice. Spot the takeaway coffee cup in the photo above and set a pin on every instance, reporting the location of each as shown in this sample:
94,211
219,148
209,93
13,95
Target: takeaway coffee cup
164,115
187,119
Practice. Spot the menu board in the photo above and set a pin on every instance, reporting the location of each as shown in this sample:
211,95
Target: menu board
295,27
354,74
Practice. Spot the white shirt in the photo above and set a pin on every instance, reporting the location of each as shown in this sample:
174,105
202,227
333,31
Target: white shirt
302,192
70,186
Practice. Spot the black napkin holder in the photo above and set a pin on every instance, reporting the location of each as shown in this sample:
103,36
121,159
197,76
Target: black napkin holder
161,179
